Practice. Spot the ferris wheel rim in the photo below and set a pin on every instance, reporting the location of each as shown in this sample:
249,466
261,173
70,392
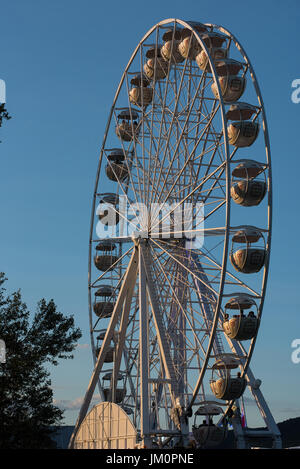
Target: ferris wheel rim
227,171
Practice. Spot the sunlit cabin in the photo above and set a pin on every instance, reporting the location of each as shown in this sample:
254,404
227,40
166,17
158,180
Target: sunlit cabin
189,46
214,42
156,67
224,384
207,434
169,50
216,53
104,303
242,132
232,85
245,257
241,326
107,209
116,169
240,111
248,184
105,257
120,391
127,126
140,94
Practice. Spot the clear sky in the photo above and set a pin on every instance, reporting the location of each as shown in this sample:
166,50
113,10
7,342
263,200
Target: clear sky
62,61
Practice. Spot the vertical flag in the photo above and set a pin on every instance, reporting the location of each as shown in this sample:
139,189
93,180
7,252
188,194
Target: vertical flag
243,414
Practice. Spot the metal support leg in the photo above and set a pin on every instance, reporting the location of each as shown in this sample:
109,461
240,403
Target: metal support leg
129,276
143,357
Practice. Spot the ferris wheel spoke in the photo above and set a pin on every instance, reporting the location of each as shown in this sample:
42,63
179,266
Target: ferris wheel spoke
178,141
176,103
187,161
181,308
237,280
212,271
162,119
183,200
179,262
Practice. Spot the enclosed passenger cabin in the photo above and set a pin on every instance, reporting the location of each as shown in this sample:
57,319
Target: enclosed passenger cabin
120,395
232,84
127,126
107,387
242,132
224,384
241,326
140,94
213,39
169,50
116,169
104,303
110,353
245,257
216,53
107,209
207,434
106,255
109,356
214,42
189,46
156,67
241,111
248,184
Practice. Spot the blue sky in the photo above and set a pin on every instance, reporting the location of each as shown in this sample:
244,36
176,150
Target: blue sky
62,61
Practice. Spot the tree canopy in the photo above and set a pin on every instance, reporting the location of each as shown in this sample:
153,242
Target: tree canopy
32,342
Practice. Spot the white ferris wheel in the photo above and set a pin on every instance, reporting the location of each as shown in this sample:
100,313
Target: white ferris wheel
179,246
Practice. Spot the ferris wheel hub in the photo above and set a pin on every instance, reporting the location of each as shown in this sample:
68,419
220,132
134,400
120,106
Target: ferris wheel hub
137,235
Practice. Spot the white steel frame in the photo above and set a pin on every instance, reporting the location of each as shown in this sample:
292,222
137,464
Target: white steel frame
155,267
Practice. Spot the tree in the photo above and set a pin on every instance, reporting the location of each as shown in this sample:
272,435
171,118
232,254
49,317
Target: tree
32,341
3,114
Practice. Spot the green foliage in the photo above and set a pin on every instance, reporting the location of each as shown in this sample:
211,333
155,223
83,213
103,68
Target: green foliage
26,397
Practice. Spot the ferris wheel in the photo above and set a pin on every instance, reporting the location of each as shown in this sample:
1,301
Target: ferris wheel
179,246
